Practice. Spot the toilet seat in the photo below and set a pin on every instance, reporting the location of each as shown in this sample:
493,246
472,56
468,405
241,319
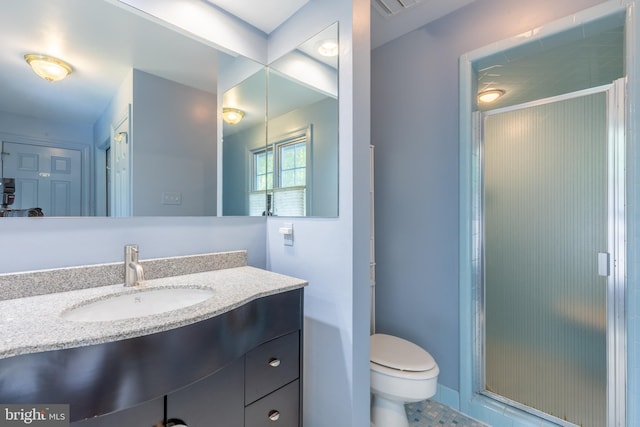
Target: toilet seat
397,354
408,375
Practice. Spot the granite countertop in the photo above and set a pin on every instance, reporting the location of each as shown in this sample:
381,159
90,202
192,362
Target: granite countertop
33,324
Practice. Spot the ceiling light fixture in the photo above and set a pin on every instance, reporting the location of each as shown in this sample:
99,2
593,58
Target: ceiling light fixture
120,136
489,96
232,115
49,68
328,47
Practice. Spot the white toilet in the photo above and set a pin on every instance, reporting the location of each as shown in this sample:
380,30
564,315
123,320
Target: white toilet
401,372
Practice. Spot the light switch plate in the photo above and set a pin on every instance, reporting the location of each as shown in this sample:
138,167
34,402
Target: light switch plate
171,198
287,233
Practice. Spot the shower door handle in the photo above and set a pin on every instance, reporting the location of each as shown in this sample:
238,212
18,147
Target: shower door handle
603,264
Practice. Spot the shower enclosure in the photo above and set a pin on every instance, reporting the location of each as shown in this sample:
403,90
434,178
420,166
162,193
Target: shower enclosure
546,257
544,181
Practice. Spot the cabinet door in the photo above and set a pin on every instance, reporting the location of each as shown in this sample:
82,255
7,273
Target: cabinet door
215,401
148,414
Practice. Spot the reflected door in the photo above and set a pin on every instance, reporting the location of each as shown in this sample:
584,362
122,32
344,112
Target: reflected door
49,178
120,170
545,222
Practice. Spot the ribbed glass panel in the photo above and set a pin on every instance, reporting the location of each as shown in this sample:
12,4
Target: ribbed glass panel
545,200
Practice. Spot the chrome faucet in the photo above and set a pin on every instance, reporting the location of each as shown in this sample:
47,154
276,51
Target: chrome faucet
133,272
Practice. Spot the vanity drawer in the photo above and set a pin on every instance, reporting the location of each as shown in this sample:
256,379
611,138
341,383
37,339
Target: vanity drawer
278,409
271,365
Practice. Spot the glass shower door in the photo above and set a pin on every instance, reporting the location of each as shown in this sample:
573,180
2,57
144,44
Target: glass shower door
545,201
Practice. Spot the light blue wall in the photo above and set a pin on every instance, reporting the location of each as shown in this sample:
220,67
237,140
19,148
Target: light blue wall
174,147
44,130
415,131
333,254
236,152
41,243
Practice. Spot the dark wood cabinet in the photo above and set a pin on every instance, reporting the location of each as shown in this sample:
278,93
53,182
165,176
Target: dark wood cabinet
272,385
261,386
260,389
215,401
271,366
149,414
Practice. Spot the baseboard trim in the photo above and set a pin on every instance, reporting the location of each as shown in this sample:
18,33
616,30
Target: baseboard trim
447,396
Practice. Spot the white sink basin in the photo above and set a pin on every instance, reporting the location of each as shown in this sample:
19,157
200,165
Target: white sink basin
142,303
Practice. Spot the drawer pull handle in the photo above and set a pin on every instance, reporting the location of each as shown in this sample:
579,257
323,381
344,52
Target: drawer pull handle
274,362
274,415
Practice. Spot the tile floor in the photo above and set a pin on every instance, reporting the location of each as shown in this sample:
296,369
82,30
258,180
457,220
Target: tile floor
430,413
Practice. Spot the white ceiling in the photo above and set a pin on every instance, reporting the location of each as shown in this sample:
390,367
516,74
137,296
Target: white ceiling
385,28
103,42
266,15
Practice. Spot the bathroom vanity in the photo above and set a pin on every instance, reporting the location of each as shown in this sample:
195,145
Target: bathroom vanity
233,359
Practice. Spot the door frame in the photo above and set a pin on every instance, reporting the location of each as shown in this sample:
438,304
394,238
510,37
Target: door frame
620,390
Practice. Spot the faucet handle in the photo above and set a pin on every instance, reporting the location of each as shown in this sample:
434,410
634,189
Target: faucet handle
131,253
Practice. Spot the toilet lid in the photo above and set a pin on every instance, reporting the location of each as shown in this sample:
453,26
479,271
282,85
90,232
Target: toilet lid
397,353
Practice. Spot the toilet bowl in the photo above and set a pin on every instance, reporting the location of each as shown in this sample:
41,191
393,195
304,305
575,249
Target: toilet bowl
401,372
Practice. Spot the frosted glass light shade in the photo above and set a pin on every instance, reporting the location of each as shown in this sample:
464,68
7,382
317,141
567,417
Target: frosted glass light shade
489,96
232,115
49,68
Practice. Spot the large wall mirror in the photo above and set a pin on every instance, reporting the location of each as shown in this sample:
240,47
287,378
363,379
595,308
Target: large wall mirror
146,124
132,130
296,172
244,132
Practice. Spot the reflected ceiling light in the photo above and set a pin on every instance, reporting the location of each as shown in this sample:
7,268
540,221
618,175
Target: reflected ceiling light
232,115
49,68
120,136
490,95
328,47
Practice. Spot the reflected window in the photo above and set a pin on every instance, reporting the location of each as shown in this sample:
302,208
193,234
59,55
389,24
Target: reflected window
263,170
286,190
293,164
